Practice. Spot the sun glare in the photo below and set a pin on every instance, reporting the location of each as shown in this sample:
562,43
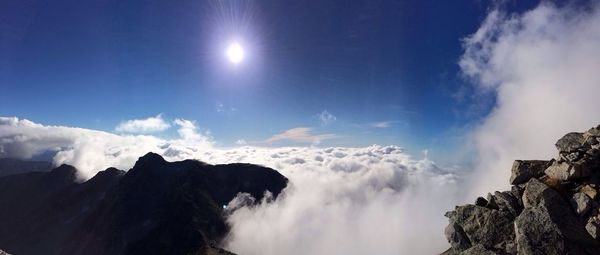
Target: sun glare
235,53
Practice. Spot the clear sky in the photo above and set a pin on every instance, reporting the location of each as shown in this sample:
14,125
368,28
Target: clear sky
379,72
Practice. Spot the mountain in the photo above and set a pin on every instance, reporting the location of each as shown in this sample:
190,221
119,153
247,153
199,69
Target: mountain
553,206
9,166
157,207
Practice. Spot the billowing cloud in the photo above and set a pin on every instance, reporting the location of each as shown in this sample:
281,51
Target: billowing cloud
326,118
143,126
542,68
371,200
91,150
300,135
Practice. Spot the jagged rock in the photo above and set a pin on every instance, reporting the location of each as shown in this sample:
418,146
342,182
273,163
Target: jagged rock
478,250
535,230
589,191
506,201
570,142
564,171
593,227
535,192
581,203
523,170
480,201
457,237
491,202
550,209
3,253
517,192
484,226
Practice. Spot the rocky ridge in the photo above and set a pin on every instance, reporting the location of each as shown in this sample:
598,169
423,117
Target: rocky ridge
553,206
157,207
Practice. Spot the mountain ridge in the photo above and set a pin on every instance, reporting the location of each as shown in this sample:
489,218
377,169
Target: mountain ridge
156,207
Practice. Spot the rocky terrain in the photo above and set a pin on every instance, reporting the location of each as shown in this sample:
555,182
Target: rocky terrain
552,208
157,207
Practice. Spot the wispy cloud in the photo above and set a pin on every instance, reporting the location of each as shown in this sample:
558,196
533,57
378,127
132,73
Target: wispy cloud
326,118
382,124
143,126
221,108
301,135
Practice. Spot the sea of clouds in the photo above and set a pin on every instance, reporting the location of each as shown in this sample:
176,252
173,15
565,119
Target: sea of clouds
540,67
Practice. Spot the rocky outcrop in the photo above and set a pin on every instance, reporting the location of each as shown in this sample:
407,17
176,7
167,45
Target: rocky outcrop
157,207
552,207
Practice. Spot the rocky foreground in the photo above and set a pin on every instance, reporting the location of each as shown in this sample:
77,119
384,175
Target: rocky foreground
157,207
552,207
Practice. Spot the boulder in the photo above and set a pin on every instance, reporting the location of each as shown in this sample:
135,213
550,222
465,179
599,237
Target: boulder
484,226
589,191
523,170
506,201
581,203
457,237
480,201
570,142
564,171
536,233
593,227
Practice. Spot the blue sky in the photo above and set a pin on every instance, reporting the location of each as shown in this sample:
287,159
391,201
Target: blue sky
387,70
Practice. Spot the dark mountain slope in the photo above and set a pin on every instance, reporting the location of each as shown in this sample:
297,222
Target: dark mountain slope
157,207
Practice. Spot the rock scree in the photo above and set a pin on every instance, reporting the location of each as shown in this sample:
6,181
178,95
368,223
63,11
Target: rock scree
552,207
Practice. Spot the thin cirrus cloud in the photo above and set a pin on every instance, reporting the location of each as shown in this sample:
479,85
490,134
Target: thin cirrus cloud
542,68
143,126
381,124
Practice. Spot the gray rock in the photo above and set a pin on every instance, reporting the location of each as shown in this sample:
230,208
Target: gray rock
564,171
536,233
456,237
581,203
506,201
484,226
3,253
593,227
570,142
517,192
535,192
523,170
478,250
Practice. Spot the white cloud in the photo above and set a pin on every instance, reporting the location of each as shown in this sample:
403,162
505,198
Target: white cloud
301,135
371,200
90,150
143,126
542,66
326,118
381,124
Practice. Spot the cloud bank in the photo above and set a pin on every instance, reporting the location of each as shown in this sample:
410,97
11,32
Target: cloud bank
542,68
371,200
91,150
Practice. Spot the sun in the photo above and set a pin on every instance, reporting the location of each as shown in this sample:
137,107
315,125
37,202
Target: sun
235,53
